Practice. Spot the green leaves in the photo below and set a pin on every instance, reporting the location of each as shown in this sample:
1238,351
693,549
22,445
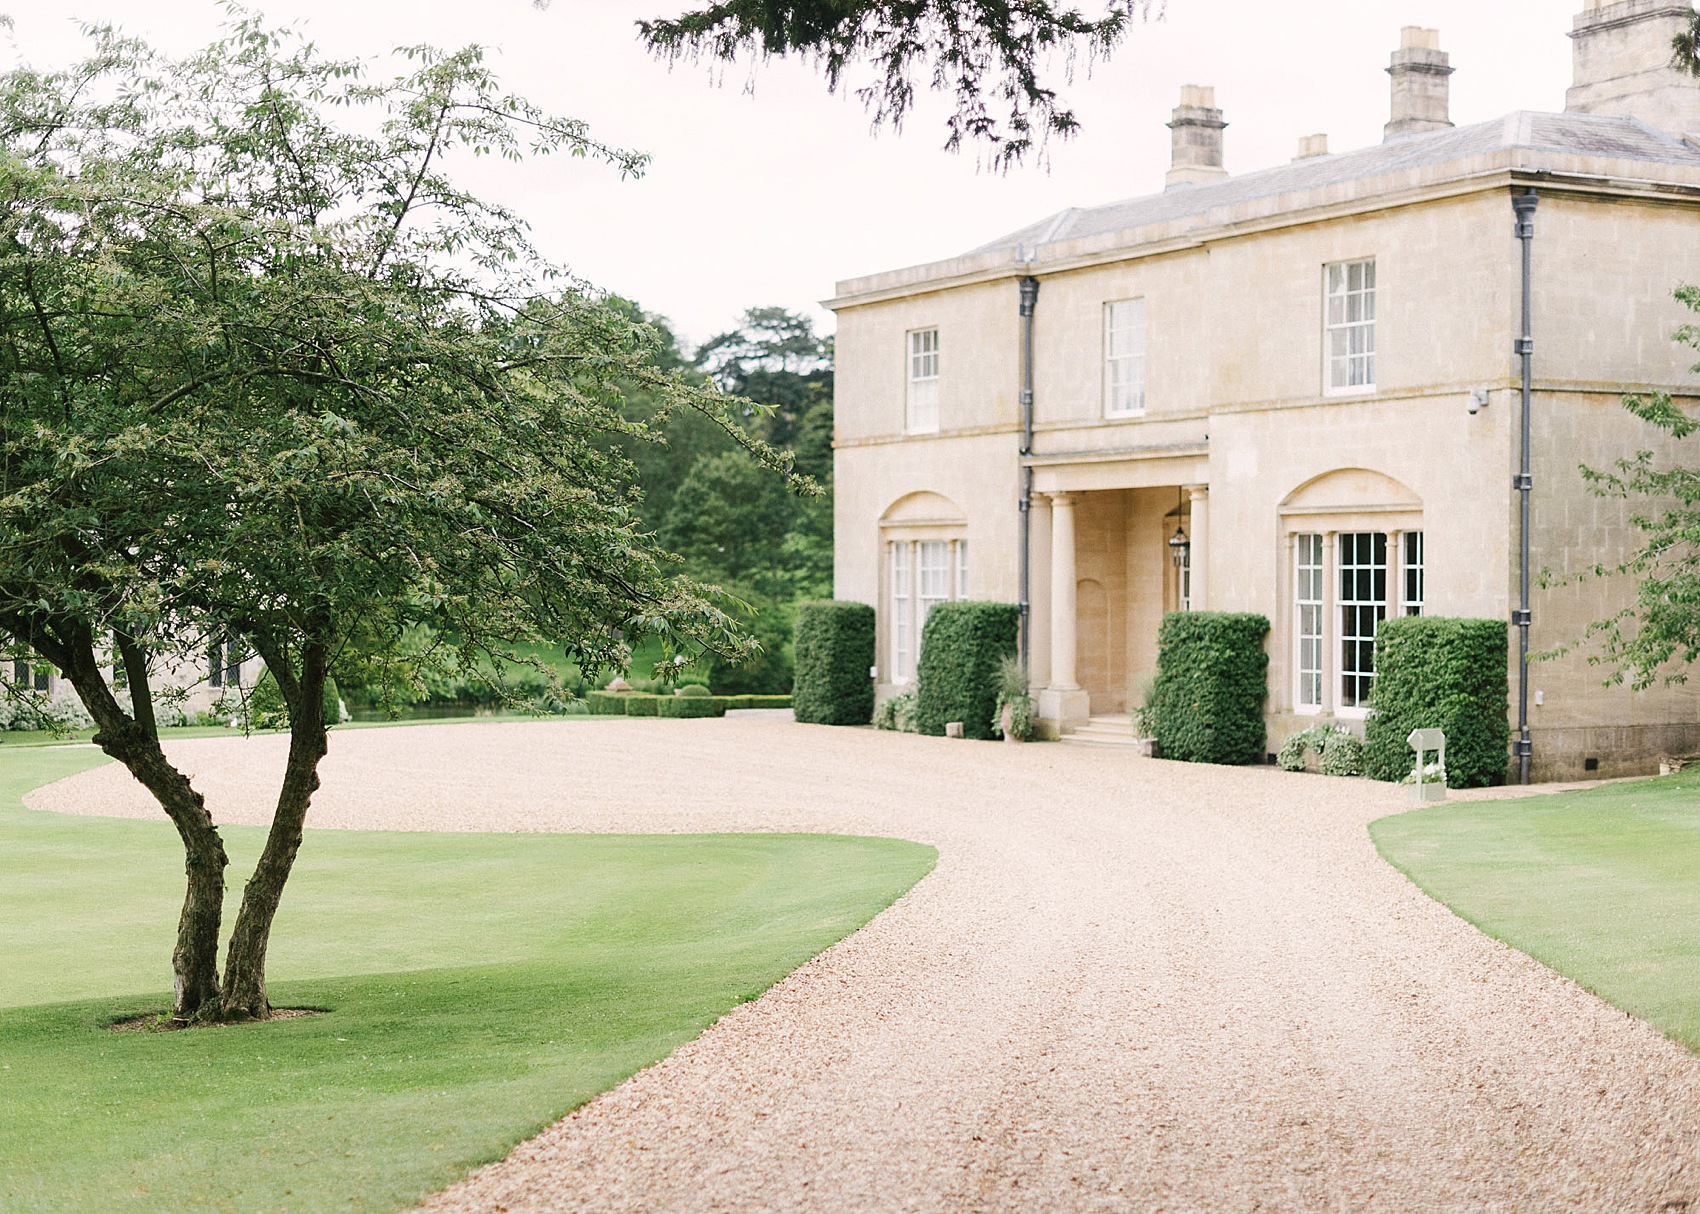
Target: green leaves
1657,637
268,370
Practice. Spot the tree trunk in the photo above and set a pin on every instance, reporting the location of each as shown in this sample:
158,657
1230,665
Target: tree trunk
244,994
194,960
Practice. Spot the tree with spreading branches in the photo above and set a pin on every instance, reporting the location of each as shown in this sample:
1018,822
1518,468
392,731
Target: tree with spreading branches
987,55
267,373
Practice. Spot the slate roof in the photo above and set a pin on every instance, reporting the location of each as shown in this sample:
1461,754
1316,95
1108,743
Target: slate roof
1568,134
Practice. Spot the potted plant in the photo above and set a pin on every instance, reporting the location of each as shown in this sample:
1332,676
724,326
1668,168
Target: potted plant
1013,720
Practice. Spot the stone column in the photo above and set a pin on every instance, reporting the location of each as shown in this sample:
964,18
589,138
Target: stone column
1063,702
1199,495
1063,592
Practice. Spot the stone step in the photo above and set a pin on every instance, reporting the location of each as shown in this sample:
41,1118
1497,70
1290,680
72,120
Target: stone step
1105,730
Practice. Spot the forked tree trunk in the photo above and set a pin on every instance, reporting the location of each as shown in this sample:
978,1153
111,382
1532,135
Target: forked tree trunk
244,994
135,743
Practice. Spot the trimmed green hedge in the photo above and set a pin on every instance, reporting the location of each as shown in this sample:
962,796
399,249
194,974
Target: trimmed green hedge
1212,677
833,649
646,704
1432,672
690,707
957,676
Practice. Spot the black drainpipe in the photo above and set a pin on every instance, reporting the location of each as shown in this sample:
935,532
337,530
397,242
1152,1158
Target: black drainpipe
1029,304
1524,204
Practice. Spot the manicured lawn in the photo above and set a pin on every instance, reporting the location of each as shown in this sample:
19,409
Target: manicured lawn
480,986
1602,885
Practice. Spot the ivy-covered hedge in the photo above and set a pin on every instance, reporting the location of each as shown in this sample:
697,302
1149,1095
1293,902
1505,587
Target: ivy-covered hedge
832,651
957,676
1432,672
1212,677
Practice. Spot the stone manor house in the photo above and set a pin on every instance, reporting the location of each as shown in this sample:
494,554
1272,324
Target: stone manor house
1296,392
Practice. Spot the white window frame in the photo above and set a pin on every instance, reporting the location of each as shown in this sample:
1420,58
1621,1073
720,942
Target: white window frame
1310,619
902,613
933,583
927,567
1348,327
1412,573
1353,606
1124,358
921,396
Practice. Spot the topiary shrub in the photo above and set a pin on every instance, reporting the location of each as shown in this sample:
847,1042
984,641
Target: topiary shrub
1212,677
832,652
957,676
692,689
1433,672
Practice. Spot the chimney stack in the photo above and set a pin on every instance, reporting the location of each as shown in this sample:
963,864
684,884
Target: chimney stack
1622,52
1312,145
1197,137
1421,91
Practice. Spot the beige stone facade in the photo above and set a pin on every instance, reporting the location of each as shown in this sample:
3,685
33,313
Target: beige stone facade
1272,425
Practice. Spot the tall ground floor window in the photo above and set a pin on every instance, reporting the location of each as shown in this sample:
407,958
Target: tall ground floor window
1308,621
1375,574
923,573
1363,605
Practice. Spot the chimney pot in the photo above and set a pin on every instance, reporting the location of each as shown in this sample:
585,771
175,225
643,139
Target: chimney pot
1421,90
1622,54
1312,145
1196,137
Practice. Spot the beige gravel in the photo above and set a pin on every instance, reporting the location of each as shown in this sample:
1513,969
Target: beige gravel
1129,985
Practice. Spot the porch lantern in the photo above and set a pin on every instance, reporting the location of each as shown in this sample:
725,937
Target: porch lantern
1179,546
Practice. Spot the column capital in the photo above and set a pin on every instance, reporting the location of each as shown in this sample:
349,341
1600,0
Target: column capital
1065,498
1197,492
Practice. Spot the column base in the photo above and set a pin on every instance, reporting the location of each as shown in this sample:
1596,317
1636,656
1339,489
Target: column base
1065,709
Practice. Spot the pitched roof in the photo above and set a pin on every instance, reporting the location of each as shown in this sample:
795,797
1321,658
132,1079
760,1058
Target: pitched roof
1589,135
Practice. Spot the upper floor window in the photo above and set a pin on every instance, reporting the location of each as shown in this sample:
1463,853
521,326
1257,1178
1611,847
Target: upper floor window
1349,324
923,400
1124,358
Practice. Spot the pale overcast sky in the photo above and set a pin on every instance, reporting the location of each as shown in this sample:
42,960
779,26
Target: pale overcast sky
766,190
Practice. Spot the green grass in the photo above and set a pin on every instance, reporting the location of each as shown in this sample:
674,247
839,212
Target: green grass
1601,885
480,987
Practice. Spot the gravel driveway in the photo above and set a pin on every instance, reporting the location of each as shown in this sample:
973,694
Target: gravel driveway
1129,985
